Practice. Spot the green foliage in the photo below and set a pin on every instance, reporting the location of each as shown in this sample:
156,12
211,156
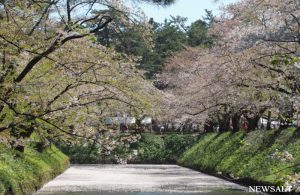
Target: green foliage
82,153
24,173
197,34
176,145
150,148
251,156
168,38
125,36
279,60
161,149
173,36
161,2
154,42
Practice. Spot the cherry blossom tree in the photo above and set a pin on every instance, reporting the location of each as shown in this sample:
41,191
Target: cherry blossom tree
55,79
252,69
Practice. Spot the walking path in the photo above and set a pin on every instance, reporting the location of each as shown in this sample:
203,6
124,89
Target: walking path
137,179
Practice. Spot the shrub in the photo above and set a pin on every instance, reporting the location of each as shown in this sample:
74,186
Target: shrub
150,148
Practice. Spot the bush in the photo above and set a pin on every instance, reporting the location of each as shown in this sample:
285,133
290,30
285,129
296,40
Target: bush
176,145
82,153
150,148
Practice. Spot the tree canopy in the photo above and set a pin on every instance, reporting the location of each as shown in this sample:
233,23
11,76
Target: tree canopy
56,79
251,68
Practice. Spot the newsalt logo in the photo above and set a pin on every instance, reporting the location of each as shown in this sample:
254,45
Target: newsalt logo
270,189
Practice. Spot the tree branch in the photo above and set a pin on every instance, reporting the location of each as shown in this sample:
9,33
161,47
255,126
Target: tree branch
68,12
54,46
41,18
206,108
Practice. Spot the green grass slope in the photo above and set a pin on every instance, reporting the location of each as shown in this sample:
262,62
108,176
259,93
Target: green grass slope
259,156
24,173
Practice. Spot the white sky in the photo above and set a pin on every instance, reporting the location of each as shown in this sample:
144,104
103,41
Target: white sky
192,9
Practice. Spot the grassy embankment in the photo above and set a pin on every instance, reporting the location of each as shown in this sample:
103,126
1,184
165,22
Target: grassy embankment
24,173
257,157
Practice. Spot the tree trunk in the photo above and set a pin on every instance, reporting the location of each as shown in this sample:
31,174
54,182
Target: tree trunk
208,126
236,122
253,122
224,123
269,120
287,118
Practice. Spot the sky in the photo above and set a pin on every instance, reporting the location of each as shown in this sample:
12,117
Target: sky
192,9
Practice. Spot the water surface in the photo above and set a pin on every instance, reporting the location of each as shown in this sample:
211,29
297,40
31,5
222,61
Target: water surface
137,180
